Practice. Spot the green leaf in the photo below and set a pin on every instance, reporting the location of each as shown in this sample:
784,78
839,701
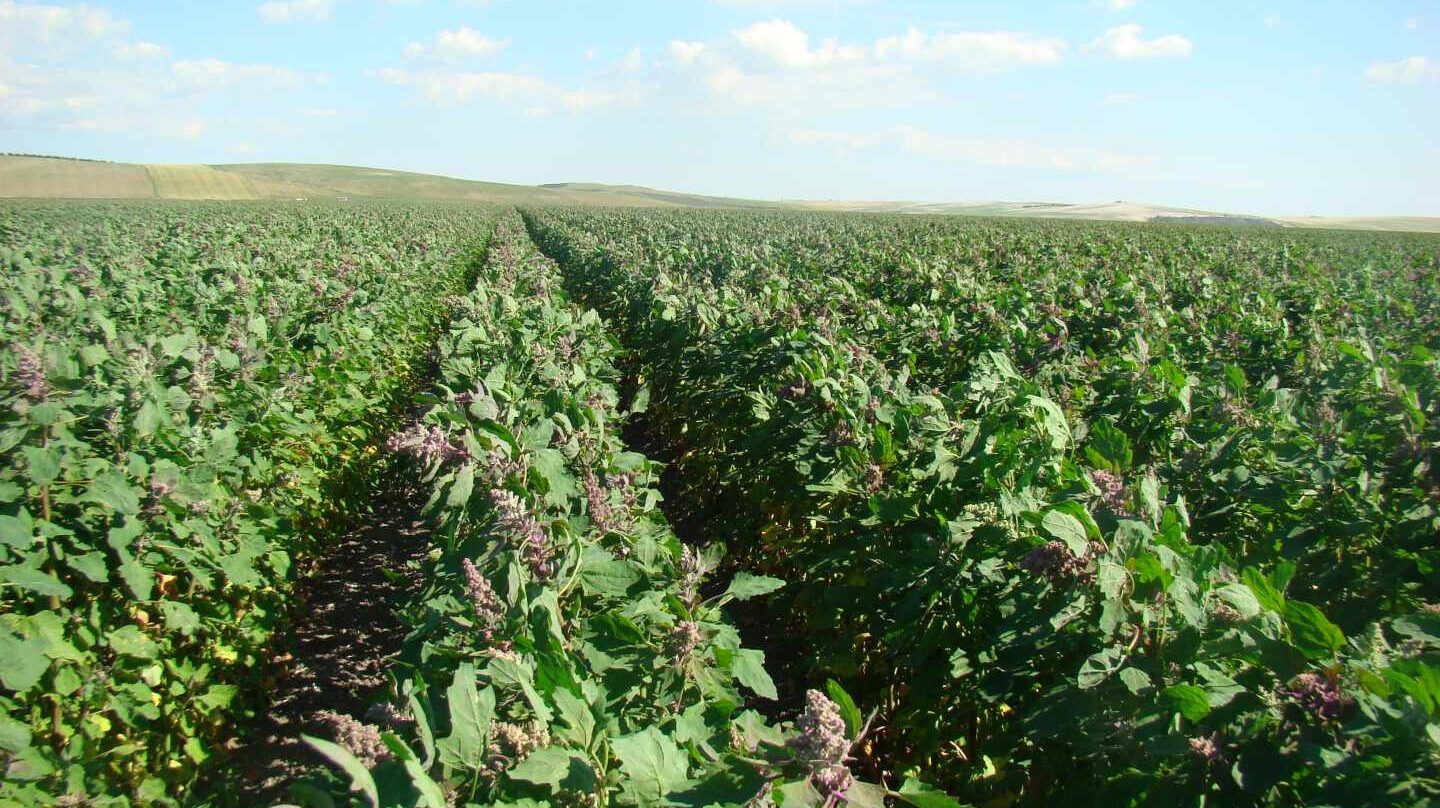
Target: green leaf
44,464
33,580
179,617
14,736
561,769
1188,700
603,575
360,779
748,667
130,641
463,485
174,344
745,586
1109,448
92,565
654,766
923,796
430,794
1099,667
471,711
1068,529
17,531
861,794
1311,631
22,662
1135,680
854,721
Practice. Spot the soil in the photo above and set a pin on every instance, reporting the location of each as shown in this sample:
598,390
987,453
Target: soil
333,656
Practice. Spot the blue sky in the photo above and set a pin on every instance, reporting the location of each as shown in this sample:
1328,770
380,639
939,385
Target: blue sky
1284,108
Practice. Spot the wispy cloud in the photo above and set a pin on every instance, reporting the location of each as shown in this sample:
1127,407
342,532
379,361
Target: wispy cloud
141,51
212,74
296,10
1126,42
30,25
537,95
1120,99
1405,71
457,45
776,63
1121,5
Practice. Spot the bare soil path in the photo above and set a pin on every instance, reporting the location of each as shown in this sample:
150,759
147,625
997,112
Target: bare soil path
332,657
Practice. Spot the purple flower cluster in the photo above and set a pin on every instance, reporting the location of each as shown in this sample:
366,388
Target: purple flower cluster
512,517
682,641
1320,696
427,445
486,603
822,744
1208,749
30,373
1112,490
361,739
1054,561
601,514
692,570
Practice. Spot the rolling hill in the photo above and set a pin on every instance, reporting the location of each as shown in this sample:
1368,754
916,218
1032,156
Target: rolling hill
32,176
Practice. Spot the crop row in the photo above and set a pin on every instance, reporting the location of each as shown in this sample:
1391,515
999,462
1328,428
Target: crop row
191,396
582,649
1071,505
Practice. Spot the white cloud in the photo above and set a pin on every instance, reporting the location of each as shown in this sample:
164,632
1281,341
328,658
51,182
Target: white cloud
1120,99
318,112
1412,23
296,10
215,74
975,51
1125,42
539,95
140,51
459,44
632,62
685,53
1405,71
780,42
777,64
1122,5
25,24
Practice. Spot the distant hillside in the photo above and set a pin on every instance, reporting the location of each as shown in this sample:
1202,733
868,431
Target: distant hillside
65,177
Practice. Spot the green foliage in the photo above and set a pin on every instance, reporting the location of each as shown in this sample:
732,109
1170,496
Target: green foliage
1103,514
192,394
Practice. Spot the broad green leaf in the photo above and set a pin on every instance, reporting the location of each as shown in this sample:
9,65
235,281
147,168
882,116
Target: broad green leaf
22,662
924,796
748,667
561,769
44,464
461,488
745,586
653,765
131,641
854,721
1315,636
1188,700
33,580
471,711
1068,529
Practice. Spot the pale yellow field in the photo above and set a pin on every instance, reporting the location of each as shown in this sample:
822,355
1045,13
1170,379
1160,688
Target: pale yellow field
79,179
199,182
